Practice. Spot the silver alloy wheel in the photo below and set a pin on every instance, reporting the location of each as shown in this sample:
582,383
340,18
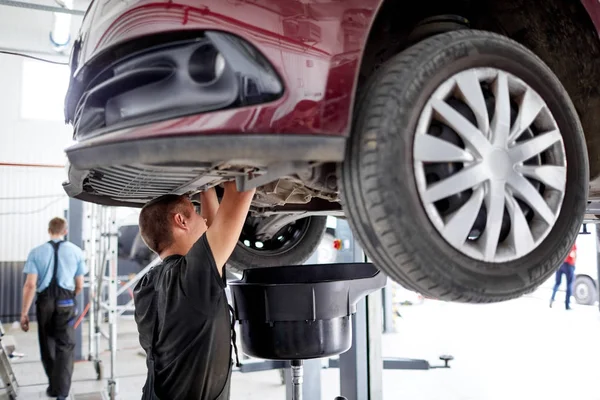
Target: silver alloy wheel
509,170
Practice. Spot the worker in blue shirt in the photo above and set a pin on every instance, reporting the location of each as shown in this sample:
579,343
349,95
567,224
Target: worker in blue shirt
54,271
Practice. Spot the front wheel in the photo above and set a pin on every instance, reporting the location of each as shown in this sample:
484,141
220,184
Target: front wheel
466,175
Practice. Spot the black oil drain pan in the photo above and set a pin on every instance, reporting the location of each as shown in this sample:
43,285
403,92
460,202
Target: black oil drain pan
301,312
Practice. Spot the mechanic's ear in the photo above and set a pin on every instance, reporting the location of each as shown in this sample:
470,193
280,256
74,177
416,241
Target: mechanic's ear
180,221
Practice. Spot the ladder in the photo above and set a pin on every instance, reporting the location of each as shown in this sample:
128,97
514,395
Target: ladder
101,246
6,372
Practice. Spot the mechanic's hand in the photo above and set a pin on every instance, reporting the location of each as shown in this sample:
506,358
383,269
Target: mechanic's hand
229,184
25,323
208,191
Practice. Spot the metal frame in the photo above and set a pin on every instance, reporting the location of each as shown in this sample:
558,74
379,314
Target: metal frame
102,254
361,367
90,247
388,310
41,7
355,363
310,380
7,375
75,217
130,306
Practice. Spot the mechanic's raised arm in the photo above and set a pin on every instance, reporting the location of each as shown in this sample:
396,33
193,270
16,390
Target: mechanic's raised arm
209,205
226,228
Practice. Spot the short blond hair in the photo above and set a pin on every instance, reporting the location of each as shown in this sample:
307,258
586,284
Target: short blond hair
57,226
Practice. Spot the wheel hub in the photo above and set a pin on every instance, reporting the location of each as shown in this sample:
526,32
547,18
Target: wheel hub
490,165
499,165
582,291
278,240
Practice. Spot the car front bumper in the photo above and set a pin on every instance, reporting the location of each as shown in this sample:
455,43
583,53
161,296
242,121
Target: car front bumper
211,72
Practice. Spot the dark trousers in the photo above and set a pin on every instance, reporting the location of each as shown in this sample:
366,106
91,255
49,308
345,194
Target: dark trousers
569,271
57,342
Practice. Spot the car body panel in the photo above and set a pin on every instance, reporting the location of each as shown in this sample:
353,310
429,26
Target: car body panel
314,46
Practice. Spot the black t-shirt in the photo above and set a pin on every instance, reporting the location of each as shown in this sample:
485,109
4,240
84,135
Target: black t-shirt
192,352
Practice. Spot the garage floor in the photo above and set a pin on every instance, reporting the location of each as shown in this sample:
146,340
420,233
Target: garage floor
515,350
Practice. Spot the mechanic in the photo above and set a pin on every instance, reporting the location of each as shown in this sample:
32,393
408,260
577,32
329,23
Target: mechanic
181,309
55,271
568,269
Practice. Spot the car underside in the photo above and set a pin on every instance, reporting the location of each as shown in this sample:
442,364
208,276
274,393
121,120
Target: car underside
290,187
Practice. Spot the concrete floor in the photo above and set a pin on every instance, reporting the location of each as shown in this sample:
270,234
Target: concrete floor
514,350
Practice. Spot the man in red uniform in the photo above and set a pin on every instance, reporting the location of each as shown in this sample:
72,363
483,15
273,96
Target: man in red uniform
568,269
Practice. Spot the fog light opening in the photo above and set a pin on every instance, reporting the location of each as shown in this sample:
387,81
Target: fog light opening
206,64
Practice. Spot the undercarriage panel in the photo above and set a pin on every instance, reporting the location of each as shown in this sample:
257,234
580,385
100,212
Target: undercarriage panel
313,188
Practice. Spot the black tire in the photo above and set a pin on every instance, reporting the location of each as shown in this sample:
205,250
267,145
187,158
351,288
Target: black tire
304,244
379,190
584,291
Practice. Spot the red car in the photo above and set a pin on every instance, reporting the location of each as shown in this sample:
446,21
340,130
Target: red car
451,134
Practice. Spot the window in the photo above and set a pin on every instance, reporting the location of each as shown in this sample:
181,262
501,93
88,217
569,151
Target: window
44,87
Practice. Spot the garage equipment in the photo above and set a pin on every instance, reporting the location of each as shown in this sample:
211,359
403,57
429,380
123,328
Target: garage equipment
360,367
301,312
100,236
7,374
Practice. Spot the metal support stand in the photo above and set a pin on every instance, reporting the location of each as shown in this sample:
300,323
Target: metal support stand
388,310
75,235
297,375
597,227
361,367
130,306
374,308
90,246
310,373
7,374
354,364
100,244
102,252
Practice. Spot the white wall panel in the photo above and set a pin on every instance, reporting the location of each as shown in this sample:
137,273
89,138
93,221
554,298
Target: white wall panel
28,140
28,29
29,198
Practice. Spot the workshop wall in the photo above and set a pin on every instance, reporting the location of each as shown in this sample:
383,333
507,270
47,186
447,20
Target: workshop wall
26,30
32,170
